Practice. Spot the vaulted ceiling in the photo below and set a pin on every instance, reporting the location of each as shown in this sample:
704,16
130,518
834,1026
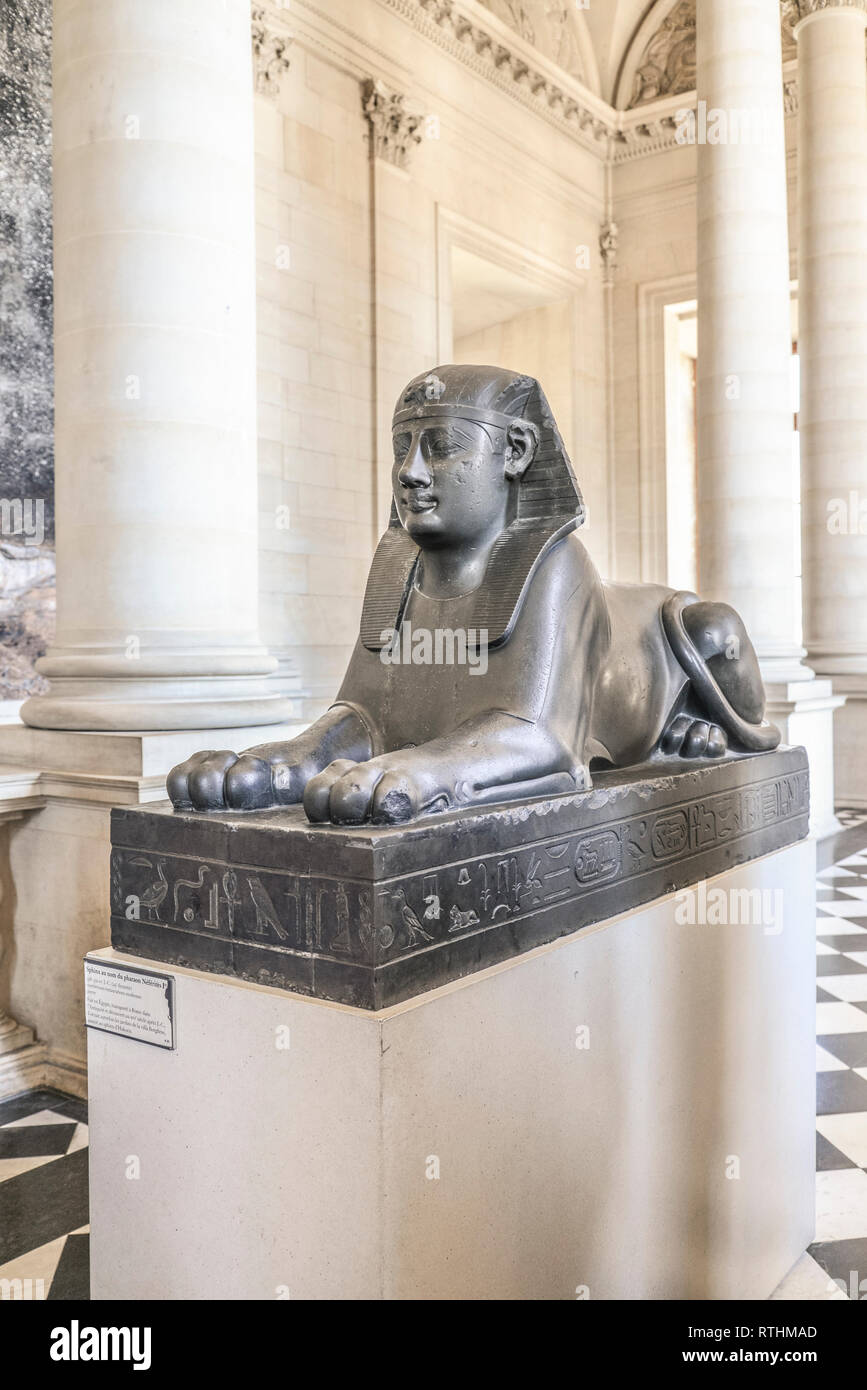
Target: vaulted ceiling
628,51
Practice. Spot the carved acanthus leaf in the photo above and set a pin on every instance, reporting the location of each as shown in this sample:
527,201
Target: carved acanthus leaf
270,53
394,131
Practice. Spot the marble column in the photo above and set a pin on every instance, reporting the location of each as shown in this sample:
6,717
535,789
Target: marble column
746,517
746,478
155,363
832,277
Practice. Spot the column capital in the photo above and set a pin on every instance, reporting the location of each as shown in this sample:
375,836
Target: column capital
394,130
795,11
270,53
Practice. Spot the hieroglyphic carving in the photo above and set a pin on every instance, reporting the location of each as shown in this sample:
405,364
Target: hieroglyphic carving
296,912
152,896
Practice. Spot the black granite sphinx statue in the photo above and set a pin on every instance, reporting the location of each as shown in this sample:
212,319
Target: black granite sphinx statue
493,664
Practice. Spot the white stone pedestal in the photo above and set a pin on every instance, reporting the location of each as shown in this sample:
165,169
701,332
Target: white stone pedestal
58,787
807,713
463,1145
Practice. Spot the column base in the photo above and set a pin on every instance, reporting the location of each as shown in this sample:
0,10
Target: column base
36,1065
13,1036
115,706
637,1123
850,741
61,785
803,711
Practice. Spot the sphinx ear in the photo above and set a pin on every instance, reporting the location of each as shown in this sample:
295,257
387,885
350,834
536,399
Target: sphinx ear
522,441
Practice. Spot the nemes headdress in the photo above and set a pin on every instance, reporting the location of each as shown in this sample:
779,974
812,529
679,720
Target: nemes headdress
549,503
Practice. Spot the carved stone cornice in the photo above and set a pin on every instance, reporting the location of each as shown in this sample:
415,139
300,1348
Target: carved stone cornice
654,133
507,61
796,10
503,58
394,131
270,52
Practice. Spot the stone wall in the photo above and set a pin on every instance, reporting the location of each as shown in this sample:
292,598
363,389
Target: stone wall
654,204
26,450
354,294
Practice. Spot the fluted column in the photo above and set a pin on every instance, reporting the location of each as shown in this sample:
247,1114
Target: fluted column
832,275
746,517
155,371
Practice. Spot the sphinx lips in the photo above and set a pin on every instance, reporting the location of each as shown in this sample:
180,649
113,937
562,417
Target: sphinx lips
421,504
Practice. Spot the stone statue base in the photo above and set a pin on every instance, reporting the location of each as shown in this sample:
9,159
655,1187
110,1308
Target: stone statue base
627,1113
373,916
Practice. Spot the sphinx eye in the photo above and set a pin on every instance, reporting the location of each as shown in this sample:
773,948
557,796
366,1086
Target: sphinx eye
440,444
401,446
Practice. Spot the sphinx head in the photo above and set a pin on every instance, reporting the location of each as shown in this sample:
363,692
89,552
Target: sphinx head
478,462
459,458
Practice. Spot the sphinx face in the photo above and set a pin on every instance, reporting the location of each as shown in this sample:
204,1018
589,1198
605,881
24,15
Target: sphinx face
449,482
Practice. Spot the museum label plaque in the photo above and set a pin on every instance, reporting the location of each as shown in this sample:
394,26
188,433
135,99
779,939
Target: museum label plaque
131,1002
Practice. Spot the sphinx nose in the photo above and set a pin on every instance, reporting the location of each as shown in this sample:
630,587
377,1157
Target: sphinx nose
414,471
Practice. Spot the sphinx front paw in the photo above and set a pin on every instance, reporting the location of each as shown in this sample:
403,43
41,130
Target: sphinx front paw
348,793
686,737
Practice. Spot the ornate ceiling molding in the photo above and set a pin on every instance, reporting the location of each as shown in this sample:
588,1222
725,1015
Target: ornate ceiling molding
506,60
510,63
270,52
609,240
667,65
394,131
551,26
661,59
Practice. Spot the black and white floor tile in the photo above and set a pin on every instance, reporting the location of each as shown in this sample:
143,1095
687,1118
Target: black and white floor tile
835,1266
850,817
44,1231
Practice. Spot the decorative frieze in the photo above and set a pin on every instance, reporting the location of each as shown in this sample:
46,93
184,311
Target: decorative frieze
665,71
270,53
509,68
394,131
549,25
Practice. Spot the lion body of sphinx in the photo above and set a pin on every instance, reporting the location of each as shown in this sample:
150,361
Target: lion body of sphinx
588,663
524,681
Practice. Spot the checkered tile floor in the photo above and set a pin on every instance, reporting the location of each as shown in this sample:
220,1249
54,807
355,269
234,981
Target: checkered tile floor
836,1265
44,1235
43,1134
